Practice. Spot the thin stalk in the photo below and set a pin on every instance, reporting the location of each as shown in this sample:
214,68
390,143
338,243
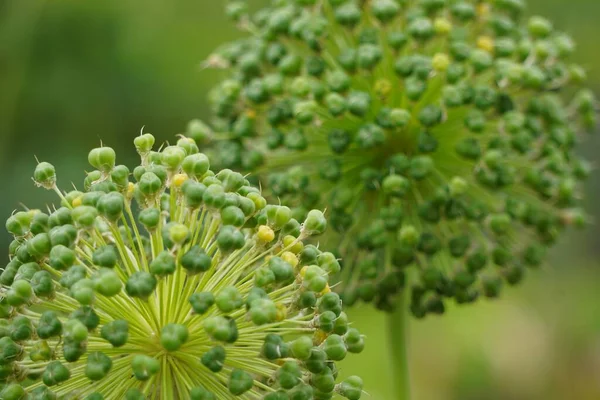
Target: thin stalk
397,324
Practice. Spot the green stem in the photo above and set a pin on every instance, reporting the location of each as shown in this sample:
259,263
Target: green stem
398,346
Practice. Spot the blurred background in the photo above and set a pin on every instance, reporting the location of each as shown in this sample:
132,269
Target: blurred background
74,72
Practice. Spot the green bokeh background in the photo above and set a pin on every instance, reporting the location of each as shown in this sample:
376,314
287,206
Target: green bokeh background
74,72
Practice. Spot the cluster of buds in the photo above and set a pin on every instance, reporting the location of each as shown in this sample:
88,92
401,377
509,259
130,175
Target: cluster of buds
182,284
439,134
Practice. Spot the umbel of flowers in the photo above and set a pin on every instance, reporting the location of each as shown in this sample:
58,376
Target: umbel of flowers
180,284
438,134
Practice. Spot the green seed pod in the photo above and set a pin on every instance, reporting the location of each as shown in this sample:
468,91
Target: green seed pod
49,325
13,391
42,284
84,216
149,217
199,393
230,239
263,311
102,158
202,301
240,382
39,246
198,131
144,367
65,320
195,260
116,332
45,175
150,184
21,329
55,373
335,348
214,359
140,284
195,165
228,299
42,393
107,282
111,206
41,351
163,264
143,143
351,388
98,366
172,157
61,257
9,350
418,148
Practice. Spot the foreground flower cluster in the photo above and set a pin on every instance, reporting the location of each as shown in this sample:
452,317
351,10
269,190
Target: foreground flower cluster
439,134
181,284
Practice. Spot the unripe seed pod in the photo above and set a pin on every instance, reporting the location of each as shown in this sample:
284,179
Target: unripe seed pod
45,175
102,158
144,367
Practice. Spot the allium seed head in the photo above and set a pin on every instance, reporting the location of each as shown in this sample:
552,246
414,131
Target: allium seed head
181,284
439,134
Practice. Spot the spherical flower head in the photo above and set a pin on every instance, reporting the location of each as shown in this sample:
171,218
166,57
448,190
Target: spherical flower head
182,283
439,135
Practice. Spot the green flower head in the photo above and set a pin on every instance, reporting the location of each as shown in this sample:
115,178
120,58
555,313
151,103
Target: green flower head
183,285
438,134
